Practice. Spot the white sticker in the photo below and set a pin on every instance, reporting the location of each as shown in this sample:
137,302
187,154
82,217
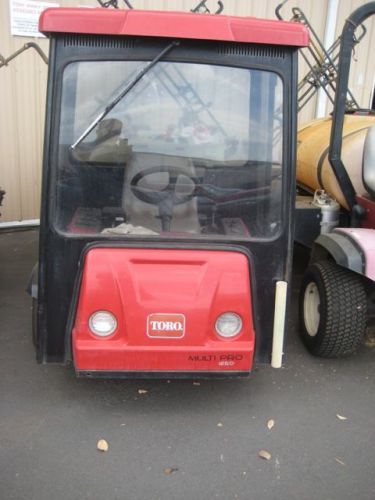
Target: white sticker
24,17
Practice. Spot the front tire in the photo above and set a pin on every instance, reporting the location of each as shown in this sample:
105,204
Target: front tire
332,309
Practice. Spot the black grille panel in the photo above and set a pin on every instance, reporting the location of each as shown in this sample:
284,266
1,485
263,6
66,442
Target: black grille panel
100,41
241,49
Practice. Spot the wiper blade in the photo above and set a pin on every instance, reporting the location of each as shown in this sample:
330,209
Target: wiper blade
122,94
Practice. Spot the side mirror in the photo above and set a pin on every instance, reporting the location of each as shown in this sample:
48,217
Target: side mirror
368,167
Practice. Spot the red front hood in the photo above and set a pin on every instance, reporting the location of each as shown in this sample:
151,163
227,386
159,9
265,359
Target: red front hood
166,303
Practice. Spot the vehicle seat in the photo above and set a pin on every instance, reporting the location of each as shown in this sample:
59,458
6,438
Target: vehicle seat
140,213
114,151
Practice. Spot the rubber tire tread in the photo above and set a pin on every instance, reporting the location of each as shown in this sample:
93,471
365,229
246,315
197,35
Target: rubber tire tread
343,310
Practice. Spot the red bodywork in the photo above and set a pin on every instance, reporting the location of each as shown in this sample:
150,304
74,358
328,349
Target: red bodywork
368,221
173,25
148,289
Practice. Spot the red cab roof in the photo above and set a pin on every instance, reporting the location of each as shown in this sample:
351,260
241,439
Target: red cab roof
172,25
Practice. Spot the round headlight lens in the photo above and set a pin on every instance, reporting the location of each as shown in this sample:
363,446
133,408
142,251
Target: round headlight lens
102,323
228,325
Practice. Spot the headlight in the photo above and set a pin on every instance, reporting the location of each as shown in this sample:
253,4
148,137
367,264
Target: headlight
102,323
228,325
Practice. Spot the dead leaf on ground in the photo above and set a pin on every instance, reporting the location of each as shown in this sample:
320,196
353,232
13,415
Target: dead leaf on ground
369,339
266,455
341,417
142,391
270,423
170,470
339,461
102,445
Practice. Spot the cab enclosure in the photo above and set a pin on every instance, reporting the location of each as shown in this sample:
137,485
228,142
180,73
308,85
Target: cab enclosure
168,192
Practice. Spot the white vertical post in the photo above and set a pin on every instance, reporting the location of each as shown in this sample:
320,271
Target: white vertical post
279,324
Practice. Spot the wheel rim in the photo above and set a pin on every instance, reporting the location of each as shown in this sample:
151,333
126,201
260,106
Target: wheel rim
311,309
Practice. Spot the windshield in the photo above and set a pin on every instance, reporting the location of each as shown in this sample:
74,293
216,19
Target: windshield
192,150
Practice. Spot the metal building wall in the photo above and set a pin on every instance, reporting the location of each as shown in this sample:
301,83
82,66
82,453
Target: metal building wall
362,74
23,89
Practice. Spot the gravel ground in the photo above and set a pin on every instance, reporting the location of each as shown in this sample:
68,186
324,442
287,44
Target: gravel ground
179,440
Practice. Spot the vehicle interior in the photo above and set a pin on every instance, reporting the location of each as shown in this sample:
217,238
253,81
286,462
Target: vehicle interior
172,158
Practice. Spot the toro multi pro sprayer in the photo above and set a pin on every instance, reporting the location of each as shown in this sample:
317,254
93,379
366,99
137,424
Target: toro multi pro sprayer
168,192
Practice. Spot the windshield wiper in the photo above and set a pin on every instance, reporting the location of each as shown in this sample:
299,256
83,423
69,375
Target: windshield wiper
122,94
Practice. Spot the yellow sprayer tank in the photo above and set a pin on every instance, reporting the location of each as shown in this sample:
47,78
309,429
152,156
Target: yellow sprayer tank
313,168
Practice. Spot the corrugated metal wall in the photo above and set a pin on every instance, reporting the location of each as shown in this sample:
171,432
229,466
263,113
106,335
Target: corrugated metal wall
23,88
363,62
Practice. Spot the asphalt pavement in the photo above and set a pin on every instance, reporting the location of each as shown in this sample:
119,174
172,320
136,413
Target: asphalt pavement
180,440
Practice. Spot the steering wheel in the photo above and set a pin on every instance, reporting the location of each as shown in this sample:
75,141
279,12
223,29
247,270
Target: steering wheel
166,197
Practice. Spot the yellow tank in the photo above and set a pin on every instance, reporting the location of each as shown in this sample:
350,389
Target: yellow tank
313,168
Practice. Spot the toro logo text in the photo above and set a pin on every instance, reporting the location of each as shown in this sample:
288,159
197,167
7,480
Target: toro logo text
163,325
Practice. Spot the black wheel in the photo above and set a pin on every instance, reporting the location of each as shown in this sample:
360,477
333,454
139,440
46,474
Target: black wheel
34,313
332,310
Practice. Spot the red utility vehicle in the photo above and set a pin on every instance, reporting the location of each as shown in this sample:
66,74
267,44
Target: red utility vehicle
168,192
